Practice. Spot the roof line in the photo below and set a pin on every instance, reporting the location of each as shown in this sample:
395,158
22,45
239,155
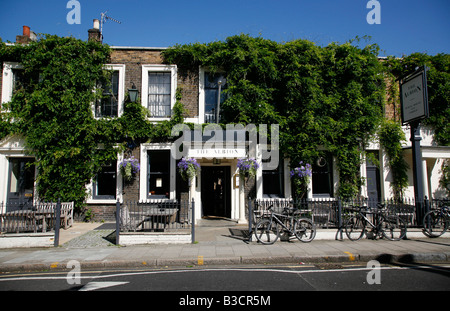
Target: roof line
115,47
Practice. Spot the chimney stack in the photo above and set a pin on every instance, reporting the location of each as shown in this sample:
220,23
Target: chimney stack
25,37
94,33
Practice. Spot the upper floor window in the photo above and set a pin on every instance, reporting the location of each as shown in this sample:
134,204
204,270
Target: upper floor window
12,80
209,86
158,90
108,104
113,94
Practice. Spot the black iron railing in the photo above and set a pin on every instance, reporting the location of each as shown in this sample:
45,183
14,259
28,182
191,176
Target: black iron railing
155,216
331,212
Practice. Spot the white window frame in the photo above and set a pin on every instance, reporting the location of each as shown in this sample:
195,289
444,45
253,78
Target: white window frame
119,187
146,69
8,80
143,198
121,96
201,92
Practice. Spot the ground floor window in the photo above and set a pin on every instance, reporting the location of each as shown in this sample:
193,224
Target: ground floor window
273,181
21,179
105,183
322,176
158,184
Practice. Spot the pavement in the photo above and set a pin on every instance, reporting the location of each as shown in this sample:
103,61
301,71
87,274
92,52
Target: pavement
217,243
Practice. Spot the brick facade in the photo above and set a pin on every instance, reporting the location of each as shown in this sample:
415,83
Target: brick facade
134,58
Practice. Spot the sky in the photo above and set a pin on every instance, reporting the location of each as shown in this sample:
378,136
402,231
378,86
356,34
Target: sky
406,26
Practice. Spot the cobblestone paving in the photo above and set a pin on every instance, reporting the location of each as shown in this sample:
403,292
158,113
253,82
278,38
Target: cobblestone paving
94,238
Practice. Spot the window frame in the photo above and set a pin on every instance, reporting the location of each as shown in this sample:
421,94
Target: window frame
121,91
280,172
95,195
202,93
8,80
330,176
146,69
143,174
94,199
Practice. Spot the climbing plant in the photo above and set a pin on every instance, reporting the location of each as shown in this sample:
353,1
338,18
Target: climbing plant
322,97
438,81
391,137
52,109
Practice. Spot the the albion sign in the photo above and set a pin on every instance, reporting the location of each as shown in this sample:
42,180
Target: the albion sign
236,141
217,153
414,97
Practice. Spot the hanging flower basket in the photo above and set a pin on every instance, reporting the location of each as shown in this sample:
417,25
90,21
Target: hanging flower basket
129,168
188,168
300,178
247,167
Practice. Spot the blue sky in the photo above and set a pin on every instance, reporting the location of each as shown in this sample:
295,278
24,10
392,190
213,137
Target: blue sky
407,26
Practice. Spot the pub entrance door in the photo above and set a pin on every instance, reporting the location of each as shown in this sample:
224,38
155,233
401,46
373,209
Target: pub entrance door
20,183
215,191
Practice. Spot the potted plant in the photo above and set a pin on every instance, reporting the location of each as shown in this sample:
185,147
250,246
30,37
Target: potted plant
129,167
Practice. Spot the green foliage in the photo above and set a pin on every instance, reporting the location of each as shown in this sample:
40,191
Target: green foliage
324,98
328,97
438,77
52,110
391,137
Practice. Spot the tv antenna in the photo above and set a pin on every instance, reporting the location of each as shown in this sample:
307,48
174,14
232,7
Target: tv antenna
104,18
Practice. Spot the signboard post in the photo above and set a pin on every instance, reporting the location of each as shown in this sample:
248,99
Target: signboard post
414,106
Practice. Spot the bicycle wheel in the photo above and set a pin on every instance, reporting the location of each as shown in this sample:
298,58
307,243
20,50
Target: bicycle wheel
355,227
304,230
267,232
393,228
435,224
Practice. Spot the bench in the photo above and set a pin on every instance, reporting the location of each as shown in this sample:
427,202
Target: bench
66,212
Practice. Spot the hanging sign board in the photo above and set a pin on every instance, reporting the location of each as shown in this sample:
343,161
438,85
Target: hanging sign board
414,97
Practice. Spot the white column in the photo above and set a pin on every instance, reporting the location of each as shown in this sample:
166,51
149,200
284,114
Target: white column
425,179
242,219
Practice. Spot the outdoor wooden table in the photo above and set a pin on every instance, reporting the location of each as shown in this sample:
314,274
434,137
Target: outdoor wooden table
153,214
44,215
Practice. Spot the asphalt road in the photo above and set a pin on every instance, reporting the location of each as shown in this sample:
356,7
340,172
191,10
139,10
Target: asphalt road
200,280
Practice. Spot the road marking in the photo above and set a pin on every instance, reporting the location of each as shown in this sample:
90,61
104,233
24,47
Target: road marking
350,256
97,285
9,278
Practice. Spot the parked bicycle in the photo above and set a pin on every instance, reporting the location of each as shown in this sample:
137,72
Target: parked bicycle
289,222
391,227
436,221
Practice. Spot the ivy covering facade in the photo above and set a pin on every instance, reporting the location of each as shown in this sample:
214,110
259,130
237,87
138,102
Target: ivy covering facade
324,98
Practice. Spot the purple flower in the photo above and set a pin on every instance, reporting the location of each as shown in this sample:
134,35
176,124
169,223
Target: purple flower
304,171
188,168
247,166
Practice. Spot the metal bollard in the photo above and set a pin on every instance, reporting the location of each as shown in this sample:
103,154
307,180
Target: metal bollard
193,222
117,222
58,223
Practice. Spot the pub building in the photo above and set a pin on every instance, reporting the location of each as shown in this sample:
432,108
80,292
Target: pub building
217,190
